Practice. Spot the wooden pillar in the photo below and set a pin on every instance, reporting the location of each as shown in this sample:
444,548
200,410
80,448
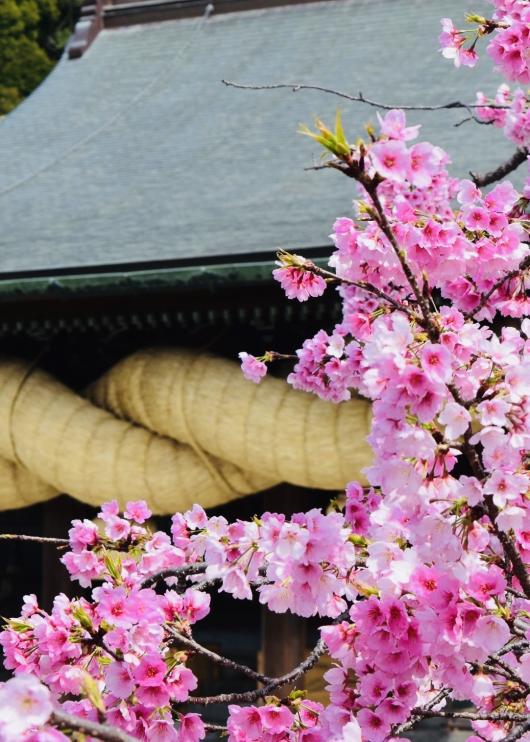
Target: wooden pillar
56,520
283,635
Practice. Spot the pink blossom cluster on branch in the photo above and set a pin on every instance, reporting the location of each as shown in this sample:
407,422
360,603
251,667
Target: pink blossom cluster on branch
509,48
442,568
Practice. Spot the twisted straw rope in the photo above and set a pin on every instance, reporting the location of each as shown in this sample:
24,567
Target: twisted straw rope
171,427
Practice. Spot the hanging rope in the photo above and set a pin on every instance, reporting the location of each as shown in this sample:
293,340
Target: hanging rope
145,432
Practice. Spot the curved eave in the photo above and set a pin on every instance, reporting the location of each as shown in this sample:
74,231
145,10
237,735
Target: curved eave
153,277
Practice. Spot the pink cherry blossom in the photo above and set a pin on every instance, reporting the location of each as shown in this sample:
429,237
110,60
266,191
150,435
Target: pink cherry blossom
391,159
299,283
253,369
436,362
137,511
456,420
24,703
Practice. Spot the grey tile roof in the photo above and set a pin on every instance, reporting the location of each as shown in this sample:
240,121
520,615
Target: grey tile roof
137,152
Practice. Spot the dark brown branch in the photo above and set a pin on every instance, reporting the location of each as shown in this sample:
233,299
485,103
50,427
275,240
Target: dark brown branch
498,666
385,227
476,716
515,593
62,720
504,169
520,644
190,643
518,732
37,539
253,695
360,98
523,266
184,571
510,550
365,286
216,728
511,554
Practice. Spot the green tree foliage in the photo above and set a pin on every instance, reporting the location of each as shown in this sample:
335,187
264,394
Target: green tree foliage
32,36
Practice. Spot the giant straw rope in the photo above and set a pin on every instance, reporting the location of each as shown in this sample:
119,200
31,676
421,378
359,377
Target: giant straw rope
172,427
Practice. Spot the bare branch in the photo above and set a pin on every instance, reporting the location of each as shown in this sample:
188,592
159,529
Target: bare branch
190,643
253,695
360,98
476,715
504,169
36,539
62,720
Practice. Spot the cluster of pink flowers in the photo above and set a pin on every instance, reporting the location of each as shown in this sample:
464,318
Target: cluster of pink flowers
436,603
117,653
298,283
112,653
253,368
508,48
453,43
513,117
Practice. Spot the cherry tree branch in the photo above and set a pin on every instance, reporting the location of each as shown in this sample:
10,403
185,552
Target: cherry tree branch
62,720
36,539
179,572
476,715
518,732
253,695
360,98
216,728
190,643
385,227
504,169
365,286
523,266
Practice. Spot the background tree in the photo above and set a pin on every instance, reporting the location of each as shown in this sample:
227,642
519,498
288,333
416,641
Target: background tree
33,34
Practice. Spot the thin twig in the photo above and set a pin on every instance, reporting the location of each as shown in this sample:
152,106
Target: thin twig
504,169
523,266
184,571
385,227
476,716
254,695
516,593
215,728
37,539
365,286
510,550
218,659
62,720
502,668
360,98
417,713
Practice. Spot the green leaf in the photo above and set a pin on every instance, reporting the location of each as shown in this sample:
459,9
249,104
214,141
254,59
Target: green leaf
339,131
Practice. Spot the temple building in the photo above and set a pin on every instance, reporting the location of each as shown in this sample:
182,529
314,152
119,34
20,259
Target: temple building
142,201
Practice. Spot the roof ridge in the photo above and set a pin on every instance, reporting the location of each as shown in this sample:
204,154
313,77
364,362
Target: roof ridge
99,14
